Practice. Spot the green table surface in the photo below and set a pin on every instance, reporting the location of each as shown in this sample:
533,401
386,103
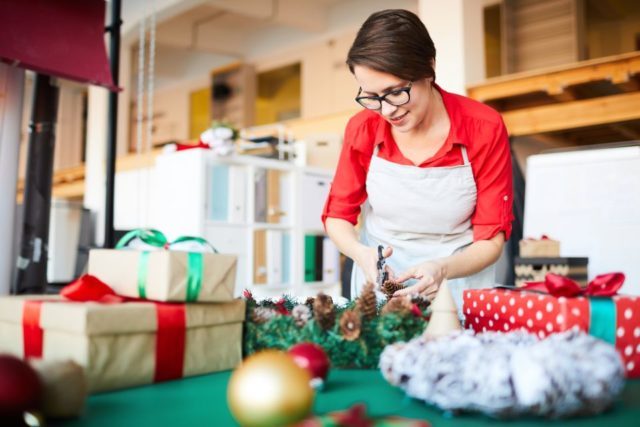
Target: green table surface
201,401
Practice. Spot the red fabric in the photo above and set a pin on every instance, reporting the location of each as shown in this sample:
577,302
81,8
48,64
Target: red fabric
170,341
543,314
31,331
473,124
62,38
170,334
603,285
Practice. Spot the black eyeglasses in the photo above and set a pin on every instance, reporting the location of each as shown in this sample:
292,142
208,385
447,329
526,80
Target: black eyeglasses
396,98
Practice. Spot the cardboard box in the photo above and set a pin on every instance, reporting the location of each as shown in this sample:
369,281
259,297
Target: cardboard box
539,248
122,345
166,275
615,320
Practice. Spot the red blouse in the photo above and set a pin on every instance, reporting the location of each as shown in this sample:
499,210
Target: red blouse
475,125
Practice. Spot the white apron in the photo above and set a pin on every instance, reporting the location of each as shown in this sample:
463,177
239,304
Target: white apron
423,214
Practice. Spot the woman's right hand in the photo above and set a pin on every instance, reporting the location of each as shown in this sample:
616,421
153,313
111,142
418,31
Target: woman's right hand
367,259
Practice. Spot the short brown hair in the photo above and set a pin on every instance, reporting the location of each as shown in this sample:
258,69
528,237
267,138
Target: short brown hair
394,41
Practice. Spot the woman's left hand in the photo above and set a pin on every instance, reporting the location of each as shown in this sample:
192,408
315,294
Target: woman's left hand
429,275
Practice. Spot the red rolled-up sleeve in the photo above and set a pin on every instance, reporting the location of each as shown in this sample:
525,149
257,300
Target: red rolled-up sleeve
348,189
493,175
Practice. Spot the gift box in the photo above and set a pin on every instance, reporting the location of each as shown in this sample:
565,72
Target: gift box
536,269
614,319
543,247
124,344
166,275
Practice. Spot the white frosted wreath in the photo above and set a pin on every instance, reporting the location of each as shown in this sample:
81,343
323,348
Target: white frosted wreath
508,375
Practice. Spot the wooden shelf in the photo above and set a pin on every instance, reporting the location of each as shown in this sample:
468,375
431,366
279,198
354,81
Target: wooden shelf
587,102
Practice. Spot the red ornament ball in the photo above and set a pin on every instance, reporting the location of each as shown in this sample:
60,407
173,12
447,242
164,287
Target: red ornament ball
311,357
20,387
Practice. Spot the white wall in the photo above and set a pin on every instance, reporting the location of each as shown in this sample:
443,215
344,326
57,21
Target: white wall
456,27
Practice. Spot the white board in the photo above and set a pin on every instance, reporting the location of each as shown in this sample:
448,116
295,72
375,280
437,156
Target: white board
589,200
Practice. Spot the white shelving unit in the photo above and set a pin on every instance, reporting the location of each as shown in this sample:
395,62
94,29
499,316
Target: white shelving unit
218,198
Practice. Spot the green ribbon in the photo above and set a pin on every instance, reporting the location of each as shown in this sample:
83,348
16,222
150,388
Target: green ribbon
195,264
147,235
143,268
602,319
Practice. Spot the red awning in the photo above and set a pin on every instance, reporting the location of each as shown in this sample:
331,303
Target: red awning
62,38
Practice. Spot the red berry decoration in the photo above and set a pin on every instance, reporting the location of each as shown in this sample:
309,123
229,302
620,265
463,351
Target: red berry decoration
313,358
20,388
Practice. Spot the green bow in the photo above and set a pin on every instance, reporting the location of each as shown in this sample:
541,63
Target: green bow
156,238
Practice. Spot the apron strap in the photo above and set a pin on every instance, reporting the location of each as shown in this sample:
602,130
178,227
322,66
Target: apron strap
465,157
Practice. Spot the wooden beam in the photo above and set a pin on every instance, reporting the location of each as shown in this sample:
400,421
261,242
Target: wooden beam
571,115
562,94
618,69
626,131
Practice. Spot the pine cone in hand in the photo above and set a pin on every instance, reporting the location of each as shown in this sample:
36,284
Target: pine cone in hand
389,287
324,311
350,325
368,302
422,302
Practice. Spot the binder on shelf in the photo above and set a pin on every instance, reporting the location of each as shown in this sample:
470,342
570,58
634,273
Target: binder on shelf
309,258
286,258
274,256
219,192
285,201
260,193
273,196
259,257
237,194
331,262
319,258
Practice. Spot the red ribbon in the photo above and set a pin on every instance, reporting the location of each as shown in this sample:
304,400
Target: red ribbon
170,335
604,285
200,144
31,330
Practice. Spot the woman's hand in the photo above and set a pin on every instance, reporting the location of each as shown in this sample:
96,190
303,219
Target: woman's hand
429,275
367,259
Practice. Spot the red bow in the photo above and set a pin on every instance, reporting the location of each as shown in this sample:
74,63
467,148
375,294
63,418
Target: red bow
604,285
90,288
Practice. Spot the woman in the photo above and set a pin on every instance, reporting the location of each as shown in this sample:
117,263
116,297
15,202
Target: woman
431,169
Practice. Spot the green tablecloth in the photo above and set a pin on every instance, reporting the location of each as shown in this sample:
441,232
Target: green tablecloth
201,401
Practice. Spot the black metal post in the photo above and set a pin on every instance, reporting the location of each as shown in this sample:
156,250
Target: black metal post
34,247
112,130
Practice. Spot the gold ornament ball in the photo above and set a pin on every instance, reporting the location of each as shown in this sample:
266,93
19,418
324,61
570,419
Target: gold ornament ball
269,389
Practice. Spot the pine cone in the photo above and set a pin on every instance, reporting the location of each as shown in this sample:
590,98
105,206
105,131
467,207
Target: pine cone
422,302
350,325
368,302
262,314
324,311
301,315
400,305
389,287
309,302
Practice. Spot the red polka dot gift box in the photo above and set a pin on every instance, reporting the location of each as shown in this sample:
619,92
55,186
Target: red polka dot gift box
559,304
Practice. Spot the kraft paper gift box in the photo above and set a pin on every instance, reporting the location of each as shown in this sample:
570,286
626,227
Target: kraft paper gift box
166,275
124,344
541,248
614,319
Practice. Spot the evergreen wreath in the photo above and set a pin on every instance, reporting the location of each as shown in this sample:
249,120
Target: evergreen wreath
284,323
